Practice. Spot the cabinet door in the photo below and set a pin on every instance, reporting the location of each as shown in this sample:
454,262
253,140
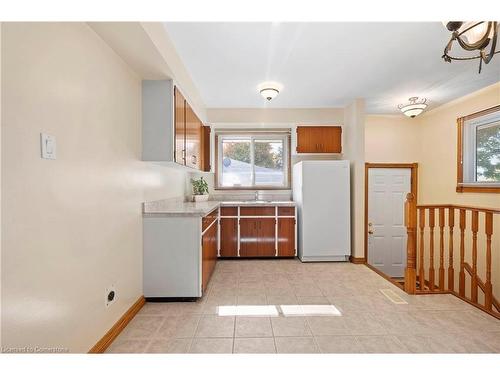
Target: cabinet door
266,237
286,237
180,126
249,240
331,139
228,237
308,138
209,254
193,138
319,139
205,148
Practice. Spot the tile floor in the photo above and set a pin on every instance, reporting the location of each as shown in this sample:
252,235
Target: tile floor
368,321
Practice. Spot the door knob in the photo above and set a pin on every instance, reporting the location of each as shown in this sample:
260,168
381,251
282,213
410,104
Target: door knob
370,232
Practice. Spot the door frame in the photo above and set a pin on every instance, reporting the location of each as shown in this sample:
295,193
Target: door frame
413,185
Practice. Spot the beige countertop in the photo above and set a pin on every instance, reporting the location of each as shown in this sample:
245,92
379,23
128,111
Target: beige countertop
170,207
178,207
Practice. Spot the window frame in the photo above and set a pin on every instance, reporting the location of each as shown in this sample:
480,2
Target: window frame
283,134
466,163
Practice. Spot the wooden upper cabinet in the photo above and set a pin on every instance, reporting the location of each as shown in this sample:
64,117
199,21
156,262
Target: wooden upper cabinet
205,148
180,134
319,139
193,138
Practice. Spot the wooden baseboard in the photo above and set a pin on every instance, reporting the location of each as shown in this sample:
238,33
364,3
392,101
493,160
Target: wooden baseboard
111,335
357,260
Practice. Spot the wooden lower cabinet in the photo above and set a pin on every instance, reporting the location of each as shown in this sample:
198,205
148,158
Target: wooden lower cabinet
258,231
257,237
209,254
286,237
228,237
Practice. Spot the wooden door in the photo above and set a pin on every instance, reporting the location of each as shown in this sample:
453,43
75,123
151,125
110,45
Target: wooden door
209,254
286,237
180,127
228,237
193,138
266,237
387,189
319,139
249,240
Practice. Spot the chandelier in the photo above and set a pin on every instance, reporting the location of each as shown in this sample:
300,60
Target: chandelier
478,38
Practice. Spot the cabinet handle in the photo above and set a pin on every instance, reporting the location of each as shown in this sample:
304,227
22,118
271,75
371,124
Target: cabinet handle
193,159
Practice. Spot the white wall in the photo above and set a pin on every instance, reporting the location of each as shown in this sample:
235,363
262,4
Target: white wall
71,226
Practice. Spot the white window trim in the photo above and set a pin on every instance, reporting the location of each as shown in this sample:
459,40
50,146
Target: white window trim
469,148
252,137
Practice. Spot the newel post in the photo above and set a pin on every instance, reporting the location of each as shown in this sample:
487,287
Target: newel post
411,244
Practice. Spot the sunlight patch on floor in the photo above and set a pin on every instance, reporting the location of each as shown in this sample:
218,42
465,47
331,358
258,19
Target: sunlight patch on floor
273,310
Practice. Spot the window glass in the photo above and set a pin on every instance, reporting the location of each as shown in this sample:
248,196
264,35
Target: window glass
269,162
236,163
254,161
488,153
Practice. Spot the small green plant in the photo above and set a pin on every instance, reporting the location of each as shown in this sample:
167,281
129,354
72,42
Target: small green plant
200,186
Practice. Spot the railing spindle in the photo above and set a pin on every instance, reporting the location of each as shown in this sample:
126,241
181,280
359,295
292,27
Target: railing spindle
451,270
411,244
461,281
441,248
475,227
488,292
431,249
421,270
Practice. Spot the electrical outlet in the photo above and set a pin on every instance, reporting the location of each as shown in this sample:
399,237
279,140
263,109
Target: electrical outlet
110,295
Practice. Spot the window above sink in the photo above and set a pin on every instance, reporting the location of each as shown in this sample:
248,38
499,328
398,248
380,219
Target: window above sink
252,160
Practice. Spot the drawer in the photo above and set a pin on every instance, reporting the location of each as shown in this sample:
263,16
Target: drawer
286,211
257,211
229,211
207,220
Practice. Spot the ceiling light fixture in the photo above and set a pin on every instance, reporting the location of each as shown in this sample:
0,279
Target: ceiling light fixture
472,36
414,108
269,90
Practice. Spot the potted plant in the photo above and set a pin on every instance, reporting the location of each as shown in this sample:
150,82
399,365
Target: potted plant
200,190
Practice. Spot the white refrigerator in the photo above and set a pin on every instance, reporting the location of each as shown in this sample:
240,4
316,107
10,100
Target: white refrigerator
321,189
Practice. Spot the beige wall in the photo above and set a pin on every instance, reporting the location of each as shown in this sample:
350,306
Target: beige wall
392,139
71,226
438,150
298,116
354,150
438,172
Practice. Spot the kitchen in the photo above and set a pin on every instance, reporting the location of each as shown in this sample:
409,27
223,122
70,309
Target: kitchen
183,240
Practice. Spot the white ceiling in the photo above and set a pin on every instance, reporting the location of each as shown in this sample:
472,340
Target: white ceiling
325,64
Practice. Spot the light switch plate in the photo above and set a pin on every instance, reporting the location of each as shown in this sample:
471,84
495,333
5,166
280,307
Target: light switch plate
48,146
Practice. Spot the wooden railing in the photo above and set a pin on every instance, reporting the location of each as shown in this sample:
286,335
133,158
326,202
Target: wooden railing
431,269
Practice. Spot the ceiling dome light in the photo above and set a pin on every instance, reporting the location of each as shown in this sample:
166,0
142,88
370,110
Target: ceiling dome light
474,37
269,90
414,108
269,93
